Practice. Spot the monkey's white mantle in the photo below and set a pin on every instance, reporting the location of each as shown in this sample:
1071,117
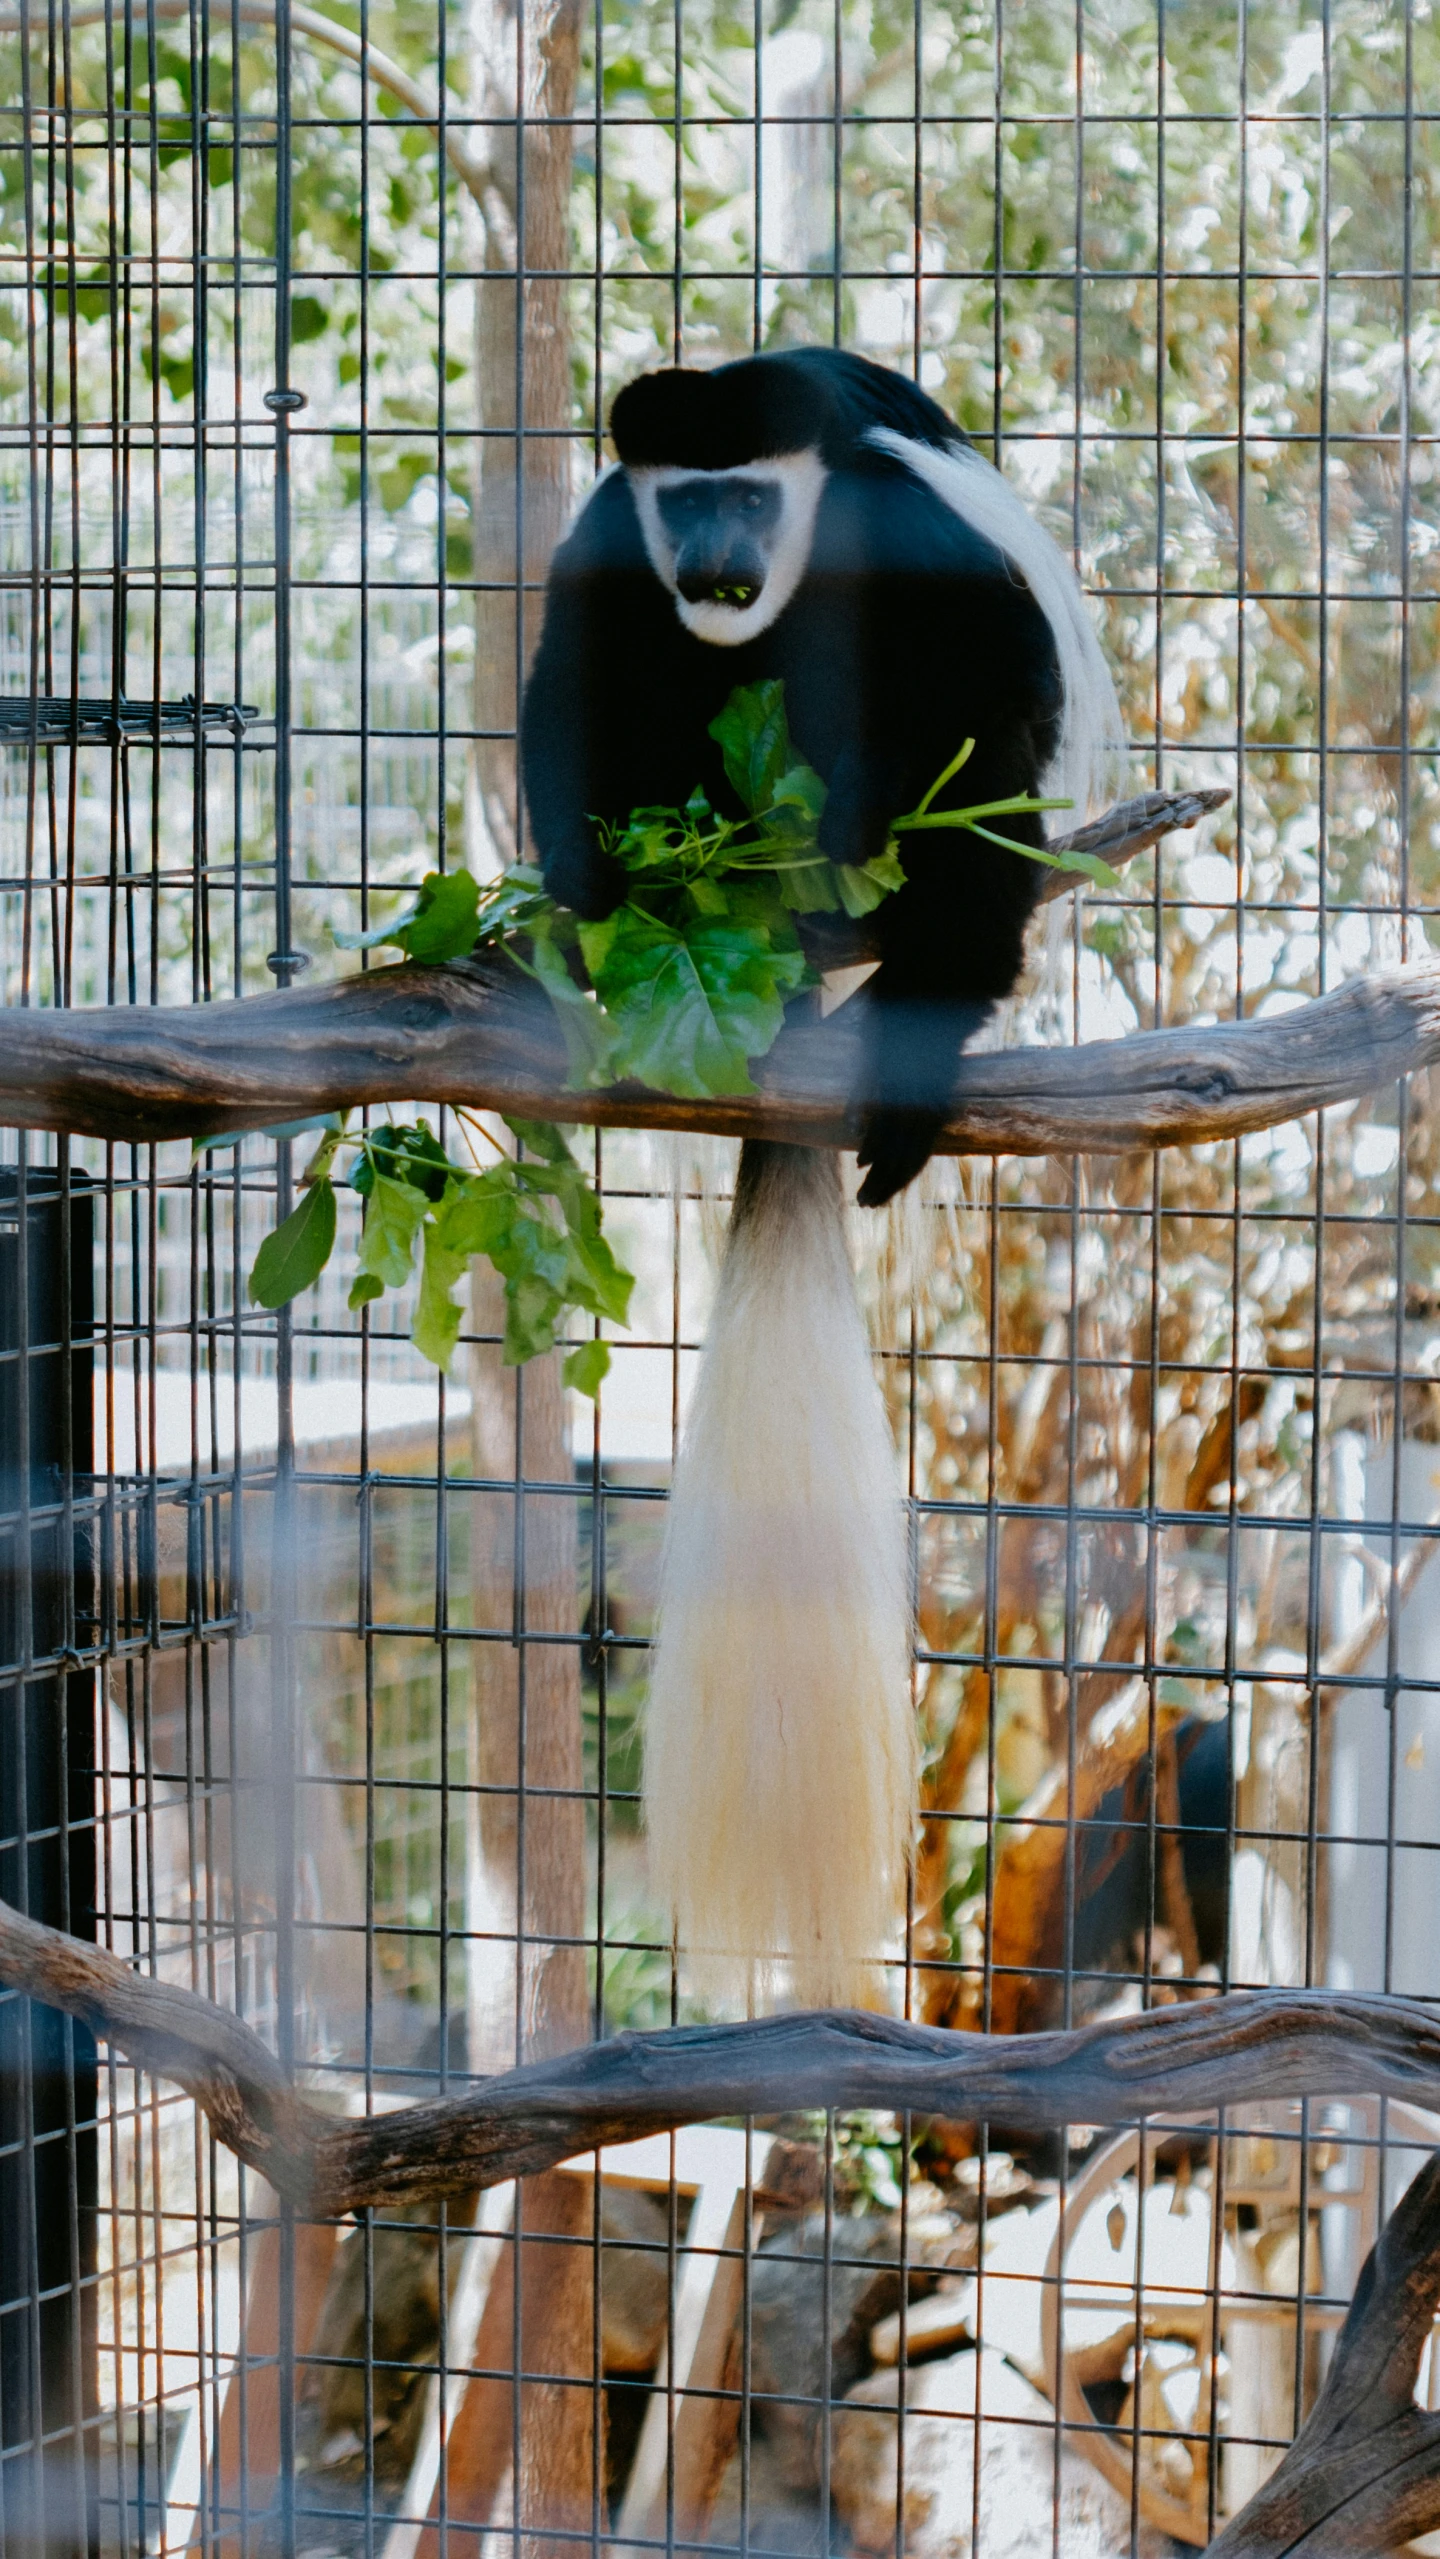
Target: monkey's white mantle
479,1032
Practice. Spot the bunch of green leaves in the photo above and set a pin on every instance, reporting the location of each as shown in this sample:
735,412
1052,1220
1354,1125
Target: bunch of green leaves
682,987
685,984
451,912
693,970
535,1217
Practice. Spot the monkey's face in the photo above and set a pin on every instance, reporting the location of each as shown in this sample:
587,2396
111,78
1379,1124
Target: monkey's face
730,546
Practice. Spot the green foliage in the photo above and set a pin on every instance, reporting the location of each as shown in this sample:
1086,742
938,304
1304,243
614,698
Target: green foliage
753,735
688,979
536,1219
690,1004
393,1213
636,1996
871,2164
694,969
295,1255
441,923
309,318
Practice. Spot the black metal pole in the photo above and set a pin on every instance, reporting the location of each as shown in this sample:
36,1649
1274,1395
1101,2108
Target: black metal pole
48,2083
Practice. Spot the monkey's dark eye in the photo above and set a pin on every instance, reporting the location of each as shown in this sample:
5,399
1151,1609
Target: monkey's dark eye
754,499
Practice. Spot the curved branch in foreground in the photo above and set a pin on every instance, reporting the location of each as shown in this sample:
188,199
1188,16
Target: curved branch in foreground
1181,2060
208,2051
480,1033
1363,2474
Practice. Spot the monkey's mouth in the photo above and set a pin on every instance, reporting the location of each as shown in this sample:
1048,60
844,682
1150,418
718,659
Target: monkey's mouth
733,583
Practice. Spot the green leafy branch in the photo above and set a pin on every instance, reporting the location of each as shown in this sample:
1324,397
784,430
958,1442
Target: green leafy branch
1089,865
535,1218
685,984
683,987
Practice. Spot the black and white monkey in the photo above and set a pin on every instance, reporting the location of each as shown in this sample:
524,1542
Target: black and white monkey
809,516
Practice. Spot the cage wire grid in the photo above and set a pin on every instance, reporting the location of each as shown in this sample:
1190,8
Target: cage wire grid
313,1663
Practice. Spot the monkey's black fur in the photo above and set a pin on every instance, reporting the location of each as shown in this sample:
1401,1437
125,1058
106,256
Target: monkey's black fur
909,632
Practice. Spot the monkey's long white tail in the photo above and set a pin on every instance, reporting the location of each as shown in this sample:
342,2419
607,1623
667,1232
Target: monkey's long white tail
780,1759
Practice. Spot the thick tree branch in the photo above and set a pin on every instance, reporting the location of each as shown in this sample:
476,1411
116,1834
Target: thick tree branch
1132,828
1224,2051
1362,2476
480,1033
208,2051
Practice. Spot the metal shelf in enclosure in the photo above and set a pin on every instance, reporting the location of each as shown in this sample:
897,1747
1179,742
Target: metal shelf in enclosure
57,719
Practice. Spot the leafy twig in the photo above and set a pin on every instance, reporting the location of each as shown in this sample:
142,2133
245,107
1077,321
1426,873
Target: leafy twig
536,1218
683,987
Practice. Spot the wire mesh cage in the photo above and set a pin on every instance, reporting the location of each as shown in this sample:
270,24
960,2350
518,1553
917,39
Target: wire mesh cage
323,1676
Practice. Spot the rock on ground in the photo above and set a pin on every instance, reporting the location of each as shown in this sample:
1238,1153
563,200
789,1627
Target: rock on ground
790,2285
1017,2480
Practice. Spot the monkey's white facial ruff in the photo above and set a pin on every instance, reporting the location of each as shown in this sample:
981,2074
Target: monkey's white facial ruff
730,546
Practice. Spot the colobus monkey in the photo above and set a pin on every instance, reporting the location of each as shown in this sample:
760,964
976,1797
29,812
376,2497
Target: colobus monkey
809,516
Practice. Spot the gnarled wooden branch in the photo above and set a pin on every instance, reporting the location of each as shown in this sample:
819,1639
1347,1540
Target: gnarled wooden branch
1250,2044
480,1033
1363,2474
1131,828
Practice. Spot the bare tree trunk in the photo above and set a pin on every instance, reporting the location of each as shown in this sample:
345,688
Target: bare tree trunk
528,54
532,1827
531,1839
529,1995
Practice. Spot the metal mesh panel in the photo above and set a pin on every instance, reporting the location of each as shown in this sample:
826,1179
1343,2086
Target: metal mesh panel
308,327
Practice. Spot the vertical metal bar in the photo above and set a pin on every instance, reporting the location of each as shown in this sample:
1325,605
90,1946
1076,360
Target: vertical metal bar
284,402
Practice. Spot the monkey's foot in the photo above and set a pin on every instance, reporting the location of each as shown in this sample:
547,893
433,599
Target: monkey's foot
895,1145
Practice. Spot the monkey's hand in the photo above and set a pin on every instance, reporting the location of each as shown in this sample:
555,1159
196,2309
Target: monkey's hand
578,873
864,795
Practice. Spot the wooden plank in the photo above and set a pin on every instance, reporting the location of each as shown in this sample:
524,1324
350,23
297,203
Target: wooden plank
478,2460
706,2425
247,2466
708,2292
482,2255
